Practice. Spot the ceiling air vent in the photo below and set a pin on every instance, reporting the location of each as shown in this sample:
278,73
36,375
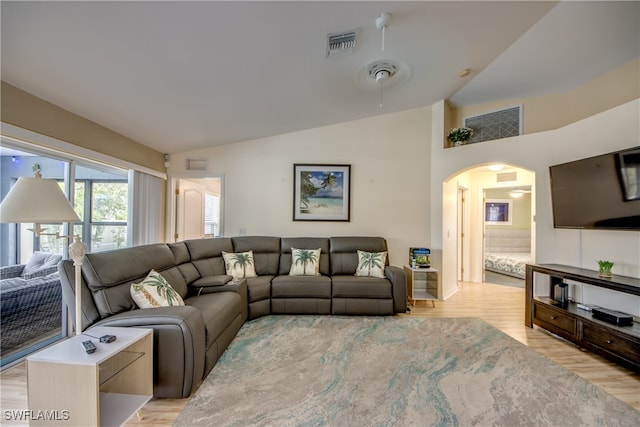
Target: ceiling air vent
506,176
339,44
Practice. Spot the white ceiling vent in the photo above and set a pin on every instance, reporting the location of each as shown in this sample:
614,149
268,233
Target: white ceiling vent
506,176
339,44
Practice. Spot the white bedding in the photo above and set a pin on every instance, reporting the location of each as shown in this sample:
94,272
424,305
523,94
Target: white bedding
512,264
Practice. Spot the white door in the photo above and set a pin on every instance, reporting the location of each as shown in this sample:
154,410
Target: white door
462,234
189,210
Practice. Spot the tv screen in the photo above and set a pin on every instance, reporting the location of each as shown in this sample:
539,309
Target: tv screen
599,192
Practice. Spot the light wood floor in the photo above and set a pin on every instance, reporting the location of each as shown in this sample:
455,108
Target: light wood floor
501,306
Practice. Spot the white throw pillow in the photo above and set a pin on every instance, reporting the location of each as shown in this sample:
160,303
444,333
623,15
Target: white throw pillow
239,264
154,291
305,262
371,264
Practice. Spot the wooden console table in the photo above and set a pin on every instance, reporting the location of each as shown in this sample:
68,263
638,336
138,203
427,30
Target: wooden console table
618,343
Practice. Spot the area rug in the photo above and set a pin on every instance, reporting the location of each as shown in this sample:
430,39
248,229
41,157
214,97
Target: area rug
392,371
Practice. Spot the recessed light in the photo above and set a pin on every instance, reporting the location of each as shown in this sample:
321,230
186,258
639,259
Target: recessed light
496,167
464,73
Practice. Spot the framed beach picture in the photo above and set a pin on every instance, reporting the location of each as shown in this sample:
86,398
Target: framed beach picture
321,192
497,211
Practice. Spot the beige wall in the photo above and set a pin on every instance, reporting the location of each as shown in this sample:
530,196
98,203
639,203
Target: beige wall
26,111
521,213
389,158
536,152
554,111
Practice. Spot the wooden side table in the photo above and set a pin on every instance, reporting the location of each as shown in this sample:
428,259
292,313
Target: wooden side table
422,284
68,387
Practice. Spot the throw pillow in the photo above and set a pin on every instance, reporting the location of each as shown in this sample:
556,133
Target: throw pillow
239,264
154,291
40,261
371,264
305,262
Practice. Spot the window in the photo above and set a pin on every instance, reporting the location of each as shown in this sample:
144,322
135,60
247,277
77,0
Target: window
32,313
211,214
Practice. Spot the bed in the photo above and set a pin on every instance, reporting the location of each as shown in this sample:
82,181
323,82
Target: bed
507,251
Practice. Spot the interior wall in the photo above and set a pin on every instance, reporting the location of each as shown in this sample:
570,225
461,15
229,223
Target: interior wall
553,111
390,180
26,111
614,129
521,208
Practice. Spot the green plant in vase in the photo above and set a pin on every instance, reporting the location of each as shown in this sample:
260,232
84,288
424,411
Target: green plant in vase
459,136
604,268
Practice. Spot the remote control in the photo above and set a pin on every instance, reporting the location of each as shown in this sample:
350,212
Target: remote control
88,346
107,338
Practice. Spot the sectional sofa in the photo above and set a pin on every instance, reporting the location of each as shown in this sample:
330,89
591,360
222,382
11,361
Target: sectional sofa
189,339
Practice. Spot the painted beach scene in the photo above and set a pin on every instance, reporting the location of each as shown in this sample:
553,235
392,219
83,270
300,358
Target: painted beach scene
322,193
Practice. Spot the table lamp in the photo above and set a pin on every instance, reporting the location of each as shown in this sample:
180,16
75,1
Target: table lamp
41,201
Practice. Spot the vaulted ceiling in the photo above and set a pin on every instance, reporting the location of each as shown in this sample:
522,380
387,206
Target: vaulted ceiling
184,75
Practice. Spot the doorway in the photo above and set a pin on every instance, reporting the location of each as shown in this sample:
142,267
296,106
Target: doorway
507,234
462,226
468,188
195,208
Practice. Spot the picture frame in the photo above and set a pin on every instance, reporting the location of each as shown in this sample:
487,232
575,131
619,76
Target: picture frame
498,211
321,192
628,164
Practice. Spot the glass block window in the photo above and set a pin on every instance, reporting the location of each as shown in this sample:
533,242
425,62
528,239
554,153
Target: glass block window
495,125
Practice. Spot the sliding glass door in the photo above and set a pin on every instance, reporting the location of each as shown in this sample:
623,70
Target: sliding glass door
32,314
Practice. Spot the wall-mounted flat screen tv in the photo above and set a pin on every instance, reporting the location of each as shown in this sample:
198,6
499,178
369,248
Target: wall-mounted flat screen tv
600,192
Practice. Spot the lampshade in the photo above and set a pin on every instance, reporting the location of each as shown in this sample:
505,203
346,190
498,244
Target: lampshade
36,200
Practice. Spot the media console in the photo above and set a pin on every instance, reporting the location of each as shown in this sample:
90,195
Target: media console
618,343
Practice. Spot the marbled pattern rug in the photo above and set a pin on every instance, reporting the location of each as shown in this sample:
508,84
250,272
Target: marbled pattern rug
392,371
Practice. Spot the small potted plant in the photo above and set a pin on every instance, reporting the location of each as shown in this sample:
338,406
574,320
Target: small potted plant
460,135
604,268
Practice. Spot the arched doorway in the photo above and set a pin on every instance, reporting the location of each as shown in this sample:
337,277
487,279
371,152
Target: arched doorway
465,196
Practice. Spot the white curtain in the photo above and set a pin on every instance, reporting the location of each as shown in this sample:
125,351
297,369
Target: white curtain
146,206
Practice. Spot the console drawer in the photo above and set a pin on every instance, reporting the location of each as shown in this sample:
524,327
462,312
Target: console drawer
562,322
611,342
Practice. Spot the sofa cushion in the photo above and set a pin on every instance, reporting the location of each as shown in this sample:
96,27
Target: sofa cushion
371,264
259,288
41,264
109,274
301,287
266,252
218,311
206,255
349,286
305,262
287,243
154,291
239,264
343,252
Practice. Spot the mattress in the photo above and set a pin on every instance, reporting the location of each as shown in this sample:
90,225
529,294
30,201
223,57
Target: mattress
512,264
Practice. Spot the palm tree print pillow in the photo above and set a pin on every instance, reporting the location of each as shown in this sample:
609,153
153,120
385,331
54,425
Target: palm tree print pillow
239,264
371,264
305,262
154,291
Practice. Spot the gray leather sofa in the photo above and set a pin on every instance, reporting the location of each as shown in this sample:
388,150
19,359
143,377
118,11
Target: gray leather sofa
189,340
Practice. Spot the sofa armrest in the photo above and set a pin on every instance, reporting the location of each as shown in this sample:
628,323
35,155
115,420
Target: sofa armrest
178,346
11,271
236,285
398,279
